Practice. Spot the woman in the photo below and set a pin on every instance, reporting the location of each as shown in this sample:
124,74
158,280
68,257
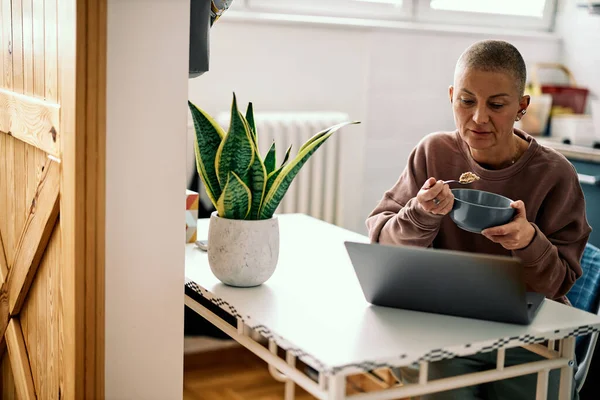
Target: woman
549,230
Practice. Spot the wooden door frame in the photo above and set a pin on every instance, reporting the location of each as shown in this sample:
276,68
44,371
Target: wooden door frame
78,146
83,157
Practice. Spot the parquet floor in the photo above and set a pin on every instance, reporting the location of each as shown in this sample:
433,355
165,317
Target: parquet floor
237,374
231,374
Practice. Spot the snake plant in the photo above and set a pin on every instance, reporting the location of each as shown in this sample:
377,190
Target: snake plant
239,182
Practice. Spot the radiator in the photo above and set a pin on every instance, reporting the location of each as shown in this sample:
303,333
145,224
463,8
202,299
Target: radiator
316,190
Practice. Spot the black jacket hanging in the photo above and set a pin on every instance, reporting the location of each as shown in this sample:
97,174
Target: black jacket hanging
203,14
199,37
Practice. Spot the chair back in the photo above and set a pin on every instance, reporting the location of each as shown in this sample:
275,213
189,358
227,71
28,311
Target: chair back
585,292
585,295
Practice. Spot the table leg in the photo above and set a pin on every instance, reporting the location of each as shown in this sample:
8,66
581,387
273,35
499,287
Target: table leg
278,376
290,389
423,372
541,392
322,381
500,359
290,386
567,350
337,387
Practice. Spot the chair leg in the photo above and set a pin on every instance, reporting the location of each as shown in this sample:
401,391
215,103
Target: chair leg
567,349
583,366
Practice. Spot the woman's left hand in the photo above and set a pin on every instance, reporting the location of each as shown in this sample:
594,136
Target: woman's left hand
515,235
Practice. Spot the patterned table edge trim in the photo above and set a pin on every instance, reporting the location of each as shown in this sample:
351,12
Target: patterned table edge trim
397,361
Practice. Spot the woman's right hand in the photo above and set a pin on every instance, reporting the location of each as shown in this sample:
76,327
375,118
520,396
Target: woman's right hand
435,197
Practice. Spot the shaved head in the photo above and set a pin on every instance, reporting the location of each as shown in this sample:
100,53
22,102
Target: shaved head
494,56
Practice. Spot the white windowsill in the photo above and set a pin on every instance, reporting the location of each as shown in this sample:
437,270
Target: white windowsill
373,24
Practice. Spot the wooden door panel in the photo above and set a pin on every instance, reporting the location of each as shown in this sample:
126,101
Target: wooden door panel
31,120
3,43
6,51
8,202
51,50
29,95
52,80
40,318
8,391
19,192
19,362
3,267
34,237
3,221
32,335
27,27
39,60
21,168
17,46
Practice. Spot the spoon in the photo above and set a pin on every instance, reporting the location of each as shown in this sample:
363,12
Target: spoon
466,178
455,181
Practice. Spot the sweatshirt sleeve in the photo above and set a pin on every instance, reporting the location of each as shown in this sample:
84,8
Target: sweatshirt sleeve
552,259
398,218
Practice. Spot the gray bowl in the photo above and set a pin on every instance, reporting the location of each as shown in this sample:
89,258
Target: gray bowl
476,210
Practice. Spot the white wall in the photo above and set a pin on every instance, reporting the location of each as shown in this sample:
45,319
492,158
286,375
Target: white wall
393,80
580,52
147,75
283,68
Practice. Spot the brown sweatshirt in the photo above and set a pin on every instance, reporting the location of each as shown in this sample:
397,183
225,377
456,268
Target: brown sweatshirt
542,178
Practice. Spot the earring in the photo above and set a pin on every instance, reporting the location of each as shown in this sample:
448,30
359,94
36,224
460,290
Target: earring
523,112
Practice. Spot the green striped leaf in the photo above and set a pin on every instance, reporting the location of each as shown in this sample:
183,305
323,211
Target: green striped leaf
236,151
251,135
271,176
235,200
250,119
270,159
258,182
324,132
208,138
282,182
287,156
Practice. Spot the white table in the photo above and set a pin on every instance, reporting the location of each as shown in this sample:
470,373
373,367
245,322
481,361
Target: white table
314,309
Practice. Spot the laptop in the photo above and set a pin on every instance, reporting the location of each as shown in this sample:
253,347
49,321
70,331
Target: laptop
447,282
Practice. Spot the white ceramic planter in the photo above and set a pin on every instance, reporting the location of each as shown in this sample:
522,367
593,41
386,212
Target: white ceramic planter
243,253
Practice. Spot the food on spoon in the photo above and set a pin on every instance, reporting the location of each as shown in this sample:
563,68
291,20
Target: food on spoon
468,177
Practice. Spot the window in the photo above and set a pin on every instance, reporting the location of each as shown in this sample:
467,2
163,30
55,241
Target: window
515,14
379,9
530,8
519,14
